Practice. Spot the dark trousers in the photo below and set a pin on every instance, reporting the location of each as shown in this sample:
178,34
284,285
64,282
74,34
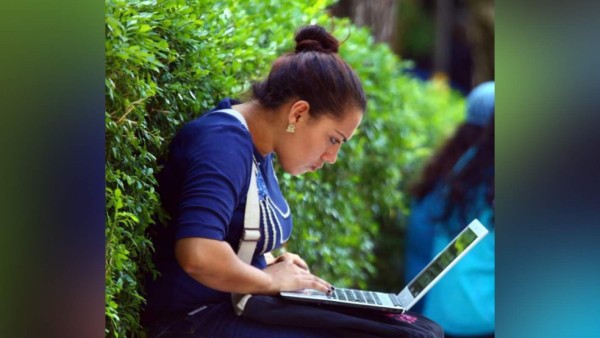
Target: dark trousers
219,321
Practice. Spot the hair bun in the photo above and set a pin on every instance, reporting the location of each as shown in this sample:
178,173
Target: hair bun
315,39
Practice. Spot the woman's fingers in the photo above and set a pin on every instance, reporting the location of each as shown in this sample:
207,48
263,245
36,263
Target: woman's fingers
288,276
317,284
310,281
294,259
300,262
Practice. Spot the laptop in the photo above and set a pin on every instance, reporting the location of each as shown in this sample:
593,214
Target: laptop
413,292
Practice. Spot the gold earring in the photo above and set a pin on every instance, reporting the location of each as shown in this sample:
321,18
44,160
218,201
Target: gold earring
291,128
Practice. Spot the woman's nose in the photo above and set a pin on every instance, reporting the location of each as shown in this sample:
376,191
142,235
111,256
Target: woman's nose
330,156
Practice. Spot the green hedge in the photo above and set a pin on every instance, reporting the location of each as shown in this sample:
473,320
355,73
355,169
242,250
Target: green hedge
169,61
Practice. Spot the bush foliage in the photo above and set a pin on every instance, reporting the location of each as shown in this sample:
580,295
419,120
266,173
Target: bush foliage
169,61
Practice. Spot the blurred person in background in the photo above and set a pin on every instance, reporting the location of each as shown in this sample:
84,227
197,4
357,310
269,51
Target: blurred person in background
456,186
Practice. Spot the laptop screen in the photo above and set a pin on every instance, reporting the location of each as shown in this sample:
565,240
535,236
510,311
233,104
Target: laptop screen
442,260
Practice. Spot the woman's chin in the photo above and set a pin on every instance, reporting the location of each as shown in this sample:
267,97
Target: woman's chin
296,171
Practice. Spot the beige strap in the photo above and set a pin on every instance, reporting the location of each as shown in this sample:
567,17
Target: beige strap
251,233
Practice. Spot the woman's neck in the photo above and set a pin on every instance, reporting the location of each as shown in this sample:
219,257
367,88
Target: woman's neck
260,125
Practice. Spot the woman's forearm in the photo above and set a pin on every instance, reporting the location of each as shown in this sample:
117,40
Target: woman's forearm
214,264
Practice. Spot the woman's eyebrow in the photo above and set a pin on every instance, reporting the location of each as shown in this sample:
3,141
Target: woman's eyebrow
344,138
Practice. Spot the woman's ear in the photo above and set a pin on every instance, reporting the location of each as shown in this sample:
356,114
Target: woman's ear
298,111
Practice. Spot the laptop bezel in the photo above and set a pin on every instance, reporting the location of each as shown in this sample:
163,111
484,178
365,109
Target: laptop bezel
407,299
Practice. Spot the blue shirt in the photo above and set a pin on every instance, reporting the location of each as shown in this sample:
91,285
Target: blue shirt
203,187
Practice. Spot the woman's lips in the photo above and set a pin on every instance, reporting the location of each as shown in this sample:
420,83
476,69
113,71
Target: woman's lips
316,167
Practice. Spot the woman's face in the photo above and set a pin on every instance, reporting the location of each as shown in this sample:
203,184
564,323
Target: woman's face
316,141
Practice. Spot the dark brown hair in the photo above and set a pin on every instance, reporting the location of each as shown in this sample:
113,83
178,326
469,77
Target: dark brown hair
314,73
442,162
479,170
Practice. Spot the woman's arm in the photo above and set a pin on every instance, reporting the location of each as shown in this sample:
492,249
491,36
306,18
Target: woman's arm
215,264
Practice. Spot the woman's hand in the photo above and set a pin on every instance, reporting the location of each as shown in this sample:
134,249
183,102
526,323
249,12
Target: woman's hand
293,258
289,272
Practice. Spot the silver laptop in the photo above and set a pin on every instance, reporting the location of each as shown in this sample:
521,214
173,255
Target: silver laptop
413,292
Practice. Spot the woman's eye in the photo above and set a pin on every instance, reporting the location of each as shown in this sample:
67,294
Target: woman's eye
334,140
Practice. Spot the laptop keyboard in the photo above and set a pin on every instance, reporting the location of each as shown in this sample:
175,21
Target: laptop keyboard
358,296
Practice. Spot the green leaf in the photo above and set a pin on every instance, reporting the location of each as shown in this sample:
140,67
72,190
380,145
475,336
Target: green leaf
144,28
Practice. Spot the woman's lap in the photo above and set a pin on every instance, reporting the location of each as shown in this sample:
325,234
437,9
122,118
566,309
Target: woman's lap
219,321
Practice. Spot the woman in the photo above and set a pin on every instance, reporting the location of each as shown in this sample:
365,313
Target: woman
309,105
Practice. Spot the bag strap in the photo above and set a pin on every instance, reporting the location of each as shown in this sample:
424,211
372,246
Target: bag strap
464,159
251,234
235,114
